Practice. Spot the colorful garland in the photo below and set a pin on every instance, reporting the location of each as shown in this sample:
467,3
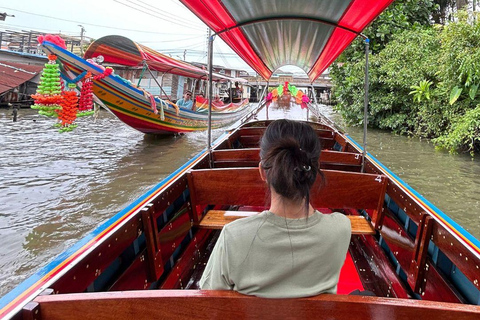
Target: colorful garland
51,98
68,114
85,104
288,89
48,98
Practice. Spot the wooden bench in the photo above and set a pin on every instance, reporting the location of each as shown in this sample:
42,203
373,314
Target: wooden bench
258,131
244,187
206,304
216,219
253,141
250,157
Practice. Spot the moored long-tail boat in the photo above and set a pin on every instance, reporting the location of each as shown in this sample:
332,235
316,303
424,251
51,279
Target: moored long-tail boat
417,261
132,105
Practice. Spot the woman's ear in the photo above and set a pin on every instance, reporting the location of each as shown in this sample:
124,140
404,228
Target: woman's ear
262,172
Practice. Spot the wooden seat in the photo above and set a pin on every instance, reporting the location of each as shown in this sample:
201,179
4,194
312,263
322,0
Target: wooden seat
250,157
205,304
243,186
216,219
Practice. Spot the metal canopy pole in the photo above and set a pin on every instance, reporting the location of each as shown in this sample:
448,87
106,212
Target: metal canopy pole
365,106
210,93
156,81
266,110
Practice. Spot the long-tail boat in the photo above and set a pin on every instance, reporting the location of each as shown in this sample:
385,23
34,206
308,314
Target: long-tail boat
131,104
146,261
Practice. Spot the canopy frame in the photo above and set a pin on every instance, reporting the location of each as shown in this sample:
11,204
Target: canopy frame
289,18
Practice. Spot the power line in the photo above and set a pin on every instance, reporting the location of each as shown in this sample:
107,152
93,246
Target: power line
85,23
16,26
161,41
163,12
156,16
221,56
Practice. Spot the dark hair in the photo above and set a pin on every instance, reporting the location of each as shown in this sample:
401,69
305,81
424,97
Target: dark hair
289,153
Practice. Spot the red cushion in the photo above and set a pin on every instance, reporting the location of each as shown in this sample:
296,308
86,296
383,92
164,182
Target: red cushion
349,279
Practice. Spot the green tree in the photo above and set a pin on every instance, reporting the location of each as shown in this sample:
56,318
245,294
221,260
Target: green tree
424,82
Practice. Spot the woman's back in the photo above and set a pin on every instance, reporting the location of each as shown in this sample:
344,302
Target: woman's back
290,250
274,257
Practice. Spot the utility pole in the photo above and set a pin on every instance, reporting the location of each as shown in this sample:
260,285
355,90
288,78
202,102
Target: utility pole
82,31
184,54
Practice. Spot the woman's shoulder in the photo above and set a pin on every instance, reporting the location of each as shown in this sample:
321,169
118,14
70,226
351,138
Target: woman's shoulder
340,220
240,226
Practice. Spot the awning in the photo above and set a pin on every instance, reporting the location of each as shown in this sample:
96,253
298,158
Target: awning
121,50
14,74
270,34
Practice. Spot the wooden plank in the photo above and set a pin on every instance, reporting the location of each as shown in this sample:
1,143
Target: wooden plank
253,141
416,273
216,219
243,186
173,233
81,275
398,240
340,157
202,304
31,311
465,260
437,288
405,202
258,131
253,154
184,266
375,269
135,277
153,256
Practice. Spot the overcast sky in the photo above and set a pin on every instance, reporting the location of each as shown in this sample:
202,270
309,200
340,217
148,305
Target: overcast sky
164,25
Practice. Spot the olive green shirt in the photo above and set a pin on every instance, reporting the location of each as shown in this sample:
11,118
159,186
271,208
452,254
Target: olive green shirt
269,256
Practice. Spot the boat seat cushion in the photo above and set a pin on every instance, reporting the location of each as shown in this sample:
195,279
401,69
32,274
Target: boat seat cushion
349,279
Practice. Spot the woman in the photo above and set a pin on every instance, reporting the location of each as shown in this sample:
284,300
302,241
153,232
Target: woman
291,250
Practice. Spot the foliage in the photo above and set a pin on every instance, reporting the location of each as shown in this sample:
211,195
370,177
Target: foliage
422,90
464,135
423,82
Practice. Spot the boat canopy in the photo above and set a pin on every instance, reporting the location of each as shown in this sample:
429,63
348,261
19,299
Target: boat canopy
123,51
270,34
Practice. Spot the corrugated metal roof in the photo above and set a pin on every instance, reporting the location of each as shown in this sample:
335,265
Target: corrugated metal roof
14,74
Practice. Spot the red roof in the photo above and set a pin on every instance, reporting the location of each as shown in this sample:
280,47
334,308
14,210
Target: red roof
123,51
14,74
270,34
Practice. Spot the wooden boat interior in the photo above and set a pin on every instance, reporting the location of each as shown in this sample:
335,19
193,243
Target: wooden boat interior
397,250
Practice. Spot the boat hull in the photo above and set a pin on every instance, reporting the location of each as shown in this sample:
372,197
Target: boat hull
133,106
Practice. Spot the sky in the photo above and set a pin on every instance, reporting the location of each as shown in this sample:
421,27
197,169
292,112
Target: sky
164,25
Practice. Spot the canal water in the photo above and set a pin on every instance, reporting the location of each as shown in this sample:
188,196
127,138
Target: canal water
55,188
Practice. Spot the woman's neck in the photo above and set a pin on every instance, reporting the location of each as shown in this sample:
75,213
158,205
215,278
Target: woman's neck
288,209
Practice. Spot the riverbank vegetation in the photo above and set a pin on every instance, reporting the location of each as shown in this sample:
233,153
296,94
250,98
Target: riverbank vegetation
424,75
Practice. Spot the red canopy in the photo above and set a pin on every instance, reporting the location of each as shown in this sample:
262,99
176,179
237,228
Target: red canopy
121,50
270,34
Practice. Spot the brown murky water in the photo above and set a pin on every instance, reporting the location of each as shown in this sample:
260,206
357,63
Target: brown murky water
55,188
